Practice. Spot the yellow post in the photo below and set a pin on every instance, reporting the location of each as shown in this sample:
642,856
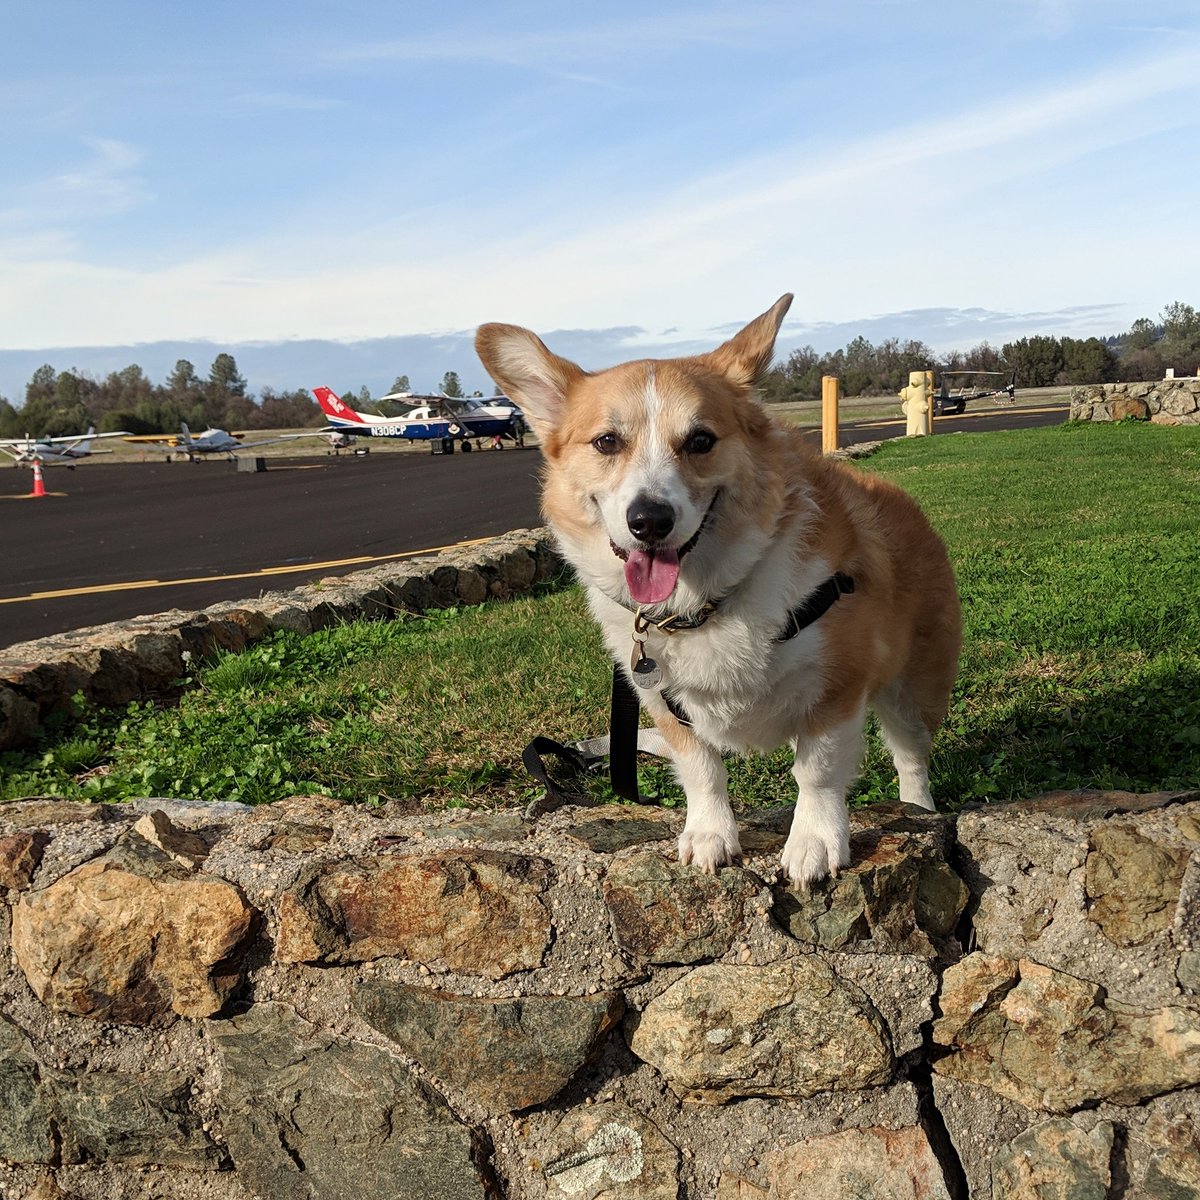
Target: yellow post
929,392
829,413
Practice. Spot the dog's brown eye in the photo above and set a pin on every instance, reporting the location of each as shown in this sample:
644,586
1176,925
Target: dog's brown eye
700,442
607,443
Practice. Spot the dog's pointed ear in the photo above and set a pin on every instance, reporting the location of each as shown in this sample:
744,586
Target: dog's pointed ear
529,373
746,358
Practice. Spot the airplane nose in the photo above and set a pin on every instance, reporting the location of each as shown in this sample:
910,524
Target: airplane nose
650,520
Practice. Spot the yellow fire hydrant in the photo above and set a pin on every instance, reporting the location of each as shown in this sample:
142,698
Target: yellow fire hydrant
914,402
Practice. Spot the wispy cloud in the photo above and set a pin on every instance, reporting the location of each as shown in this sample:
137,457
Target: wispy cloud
104,182
559,50
283,101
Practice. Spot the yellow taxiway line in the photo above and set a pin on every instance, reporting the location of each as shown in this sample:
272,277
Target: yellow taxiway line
263,573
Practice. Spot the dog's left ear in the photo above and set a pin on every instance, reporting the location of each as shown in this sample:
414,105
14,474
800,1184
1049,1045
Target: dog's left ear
529,373
746,358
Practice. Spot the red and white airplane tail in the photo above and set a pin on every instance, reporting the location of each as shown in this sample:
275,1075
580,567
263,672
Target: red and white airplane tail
334,407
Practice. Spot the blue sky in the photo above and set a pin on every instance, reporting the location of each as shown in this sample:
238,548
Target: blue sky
259,172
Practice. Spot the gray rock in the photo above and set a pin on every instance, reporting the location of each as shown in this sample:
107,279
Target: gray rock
1132,883
610,1152
132,937
794,1029
1055,1160
1053,1042
1188,970
307,1117
135,1118
482,827
25,1127
609,834
478,911
665,912
508,1054
898,896
883,1164
18,718
1173,1168
1089,883
20,854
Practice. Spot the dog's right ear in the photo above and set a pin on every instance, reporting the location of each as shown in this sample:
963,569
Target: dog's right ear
529,373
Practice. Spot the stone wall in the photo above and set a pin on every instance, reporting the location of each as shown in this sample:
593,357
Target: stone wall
1167,402
128,660
318,1000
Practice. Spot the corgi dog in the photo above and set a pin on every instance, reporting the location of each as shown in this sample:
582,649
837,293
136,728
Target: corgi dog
774,593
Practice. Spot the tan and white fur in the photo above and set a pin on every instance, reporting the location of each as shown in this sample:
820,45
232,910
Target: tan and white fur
670,476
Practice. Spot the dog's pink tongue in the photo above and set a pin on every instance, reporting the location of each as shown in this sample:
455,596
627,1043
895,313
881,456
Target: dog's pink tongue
650,575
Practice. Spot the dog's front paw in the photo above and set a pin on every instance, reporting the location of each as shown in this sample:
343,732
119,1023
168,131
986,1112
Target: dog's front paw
807,858
708,850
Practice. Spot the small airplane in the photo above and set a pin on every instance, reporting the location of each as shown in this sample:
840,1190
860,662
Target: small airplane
430,418
55,451
955,399
212,441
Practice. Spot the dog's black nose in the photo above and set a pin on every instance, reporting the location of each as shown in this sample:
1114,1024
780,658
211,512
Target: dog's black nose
649,520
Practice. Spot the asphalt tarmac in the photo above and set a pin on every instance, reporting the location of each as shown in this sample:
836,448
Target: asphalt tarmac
113,540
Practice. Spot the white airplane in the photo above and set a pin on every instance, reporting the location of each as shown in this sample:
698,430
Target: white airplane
212,441
429,418
55,451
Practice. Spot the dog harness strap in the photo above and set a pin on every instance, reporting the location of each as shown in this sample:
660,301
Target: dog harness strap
816,605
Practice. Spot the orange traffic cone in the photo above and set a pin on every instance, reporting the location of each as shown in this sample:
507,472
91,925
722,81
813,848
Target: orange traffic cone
39,488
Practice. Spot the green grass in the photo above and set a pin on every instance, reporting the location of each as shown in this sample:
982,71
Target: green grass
1076,554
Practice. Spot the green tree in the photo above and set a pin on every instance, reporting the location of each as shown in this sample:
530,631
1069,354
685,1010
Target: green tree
10,421
41,384
451,386
1087,360
290,410
400,384
1143,333
128,420
122,390
183,379
1180,346
223,376
1038,361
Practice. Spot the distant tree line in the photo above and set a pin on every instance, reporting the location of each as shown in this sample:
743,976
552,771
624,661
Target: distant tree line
1144,352
59,403
66,402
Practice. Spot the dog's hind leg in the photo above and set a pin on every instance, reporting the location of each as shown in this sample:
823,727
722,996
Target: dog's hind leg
909,738
826,764
709,839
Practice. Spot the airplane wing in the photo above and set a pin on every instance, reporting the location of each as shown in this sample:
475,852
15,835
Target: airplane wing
283,437
162,439
81,437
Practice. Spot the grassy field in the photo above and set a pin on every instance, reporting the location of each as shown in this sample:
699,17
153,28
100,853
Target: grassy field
1075,549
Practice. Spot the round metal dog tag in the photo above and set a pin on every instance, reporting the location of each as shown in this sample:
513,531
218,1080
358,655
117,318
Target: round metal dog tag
647,673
